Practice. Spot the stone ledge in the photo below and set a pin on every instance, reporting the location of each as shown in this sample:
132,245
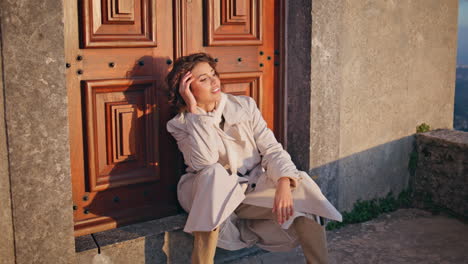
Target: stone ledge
131,232
157,241
447,135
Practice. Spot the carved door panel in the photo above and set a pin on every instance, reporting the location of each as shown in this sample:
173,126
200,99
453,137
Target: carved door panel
125,165
241,35
122,157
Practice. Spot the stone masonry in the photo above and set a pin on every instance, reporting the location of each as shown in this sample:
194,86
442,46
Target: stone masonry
441,177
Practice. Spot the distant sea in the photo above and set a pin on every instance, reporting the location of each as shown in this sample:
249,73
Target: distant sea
460,121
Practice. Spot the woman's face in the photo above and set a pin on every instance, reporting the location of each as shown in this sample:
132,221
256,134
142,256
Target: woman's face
205,86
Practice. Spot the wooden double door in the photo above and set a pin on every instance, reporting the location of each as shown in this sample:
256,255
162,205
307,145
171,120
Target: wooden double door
125,165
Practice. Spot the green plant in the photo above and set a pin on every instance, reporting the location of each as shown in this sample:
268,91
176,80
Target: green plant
366,210
423,128
404,198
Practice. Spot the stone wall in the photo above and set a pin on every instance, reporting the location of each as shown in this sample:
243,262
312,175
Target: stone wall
298,84
7,251
379,69
441,176
35,97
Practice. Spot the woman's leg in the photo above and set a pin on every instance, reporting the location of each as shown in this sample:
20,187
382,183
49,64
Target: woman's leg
247,211
204,246
210,197
311,235
313,240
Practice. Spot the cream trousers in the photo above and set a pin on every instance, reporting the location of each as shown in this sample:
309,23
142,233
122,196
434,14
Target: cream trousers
311,236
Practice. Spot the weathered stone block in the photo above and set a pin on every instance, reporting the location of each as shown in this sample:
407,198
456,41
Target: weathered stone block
441,177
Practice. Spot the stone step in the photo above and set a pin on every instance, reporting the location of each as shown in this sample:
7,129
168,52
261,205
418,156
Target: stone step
157,241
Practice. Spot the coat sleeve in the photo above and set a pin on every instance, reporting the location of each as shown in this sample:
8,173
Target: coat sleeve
196,140
276,161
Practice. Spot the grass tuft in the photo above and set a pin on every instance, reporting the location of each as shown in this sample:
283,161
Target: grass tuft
366,210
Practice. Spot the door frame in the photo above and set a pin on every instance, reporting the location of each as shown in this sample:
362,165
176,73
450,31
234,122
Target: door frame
281,82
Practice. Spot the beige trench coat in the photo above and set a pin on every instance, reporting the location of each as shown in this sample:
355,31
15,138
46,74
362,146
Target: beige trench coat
212,189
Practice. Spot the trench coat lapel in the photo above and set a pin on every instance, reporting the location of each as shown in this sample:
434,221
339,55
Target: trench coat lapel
234,113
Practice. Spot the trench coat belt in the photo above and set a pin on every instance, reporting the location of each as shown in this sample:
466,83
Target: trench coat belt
245,177
246,173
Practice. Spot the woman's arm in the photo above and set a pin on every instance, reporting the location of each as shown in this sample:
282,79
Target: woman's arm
278,164
197,139
275,160
196,135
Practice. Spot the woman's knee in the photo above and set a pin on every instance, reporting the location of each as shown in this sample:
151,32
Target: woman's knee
305,224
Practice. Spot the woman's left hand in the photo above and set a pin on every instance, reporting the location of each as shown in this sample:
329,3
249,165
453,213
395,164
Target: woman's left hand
283,206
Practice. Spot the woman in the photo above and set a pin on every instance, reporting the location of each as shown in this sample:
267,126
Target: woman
241,188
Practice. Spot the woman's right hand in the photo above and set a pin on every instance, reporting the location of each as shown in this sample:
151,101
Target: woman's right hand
186,93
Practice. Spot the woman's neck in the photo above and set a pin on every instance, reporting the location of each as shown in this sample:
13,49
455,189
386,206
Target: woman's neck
208,107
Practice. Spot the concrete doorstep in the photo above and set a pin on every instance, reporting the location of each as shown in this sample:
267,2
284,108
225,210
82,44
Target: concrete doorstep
157,241
404,236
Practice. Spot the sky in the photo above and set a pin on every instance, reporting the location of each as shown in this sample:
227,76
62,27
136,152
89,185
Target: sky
462,56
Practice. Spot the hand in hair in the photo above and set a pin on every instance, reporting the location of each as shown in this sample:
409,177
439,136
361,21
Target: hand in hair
186,93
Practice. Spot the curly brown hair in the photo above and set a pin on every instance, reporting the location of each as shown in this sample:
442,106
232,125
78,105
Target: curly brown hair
181,66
